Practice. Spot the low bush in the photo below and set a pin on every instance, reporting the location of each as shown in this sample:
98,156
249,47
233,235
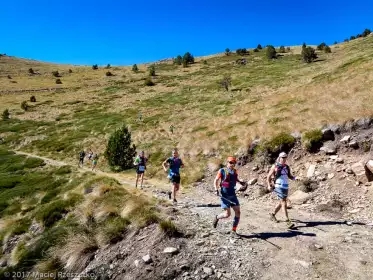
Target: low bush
33,99
58,81
312,140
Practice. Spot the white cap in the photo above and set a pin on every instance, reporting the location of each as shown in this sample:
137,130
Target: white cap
282,155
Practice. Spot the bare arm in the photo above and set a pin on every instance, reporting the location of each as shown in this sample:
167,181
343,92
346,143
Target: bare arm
164,165
270,175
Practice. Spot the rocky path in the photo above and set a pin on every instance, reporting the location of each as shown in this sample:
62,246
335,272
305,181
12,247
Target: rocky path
319,247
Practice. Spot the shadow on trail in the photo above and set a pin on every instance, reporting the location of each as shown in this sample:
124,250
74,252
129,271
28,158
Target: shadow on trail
266,235
314,224
286,234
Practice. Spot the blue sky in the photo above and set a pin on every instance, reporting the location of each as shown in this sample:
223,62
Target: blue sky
127,32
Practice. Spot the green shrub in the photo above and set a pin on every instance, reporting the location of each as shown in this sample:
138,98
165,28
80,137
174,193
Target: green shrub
120,151
108,66
227,51
149,82
282,49
321,46
113,228
95,67
366,32
24,106
346,40
256,50
135,68
169,228
312,140
242,51
32,162
32,98
6,115
58,81
188,58
31,71
259,47
9,77
56,74
205,62
63,170
109,74
271,52
327,49
226,82
52,212
49,196
281,141
308,54
288,49
352,38
70,71
178,60
151,70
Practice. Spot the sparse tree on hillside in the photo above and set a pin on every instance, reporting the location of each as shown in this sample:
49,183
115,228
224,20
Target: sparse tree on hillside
9,77
32,98
95,67
188,58
304,46
259,47
282,49
321,46
242,51
366,32
255,50
271,52
205,62
6,115
58,81
226,82
359,36
149,82
308,54
109,74
327,49
120,150
31,71
352,37
151,70
346,40
335,43
288,49
135,68
108,66
178,60
56,74
24,105
70,71
227,51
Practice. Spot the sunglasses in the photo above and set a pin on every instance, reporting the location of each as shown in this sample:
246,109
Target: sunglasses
231,162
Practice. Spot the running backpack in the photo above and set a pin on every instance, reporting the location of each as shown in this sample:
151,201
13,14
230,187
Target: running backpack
226,177
278,170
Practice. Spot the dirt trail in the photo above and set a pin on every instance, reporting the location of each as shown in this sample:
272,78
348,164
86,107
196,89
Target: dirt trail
121,179
319,247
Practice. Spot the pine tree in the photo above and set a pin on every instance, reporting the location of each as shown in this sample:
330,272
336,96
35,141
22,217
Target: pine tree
120,151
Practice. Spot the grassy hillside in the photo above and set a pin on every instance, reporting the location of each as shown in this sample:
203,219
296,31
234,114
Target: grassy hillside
58,216
266,97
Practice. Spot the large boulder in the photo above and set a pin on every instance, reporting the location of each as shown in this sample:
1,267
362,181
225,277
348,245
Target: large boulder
330,148
362,172
327,134
335,128
363,123
311,170
299,197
